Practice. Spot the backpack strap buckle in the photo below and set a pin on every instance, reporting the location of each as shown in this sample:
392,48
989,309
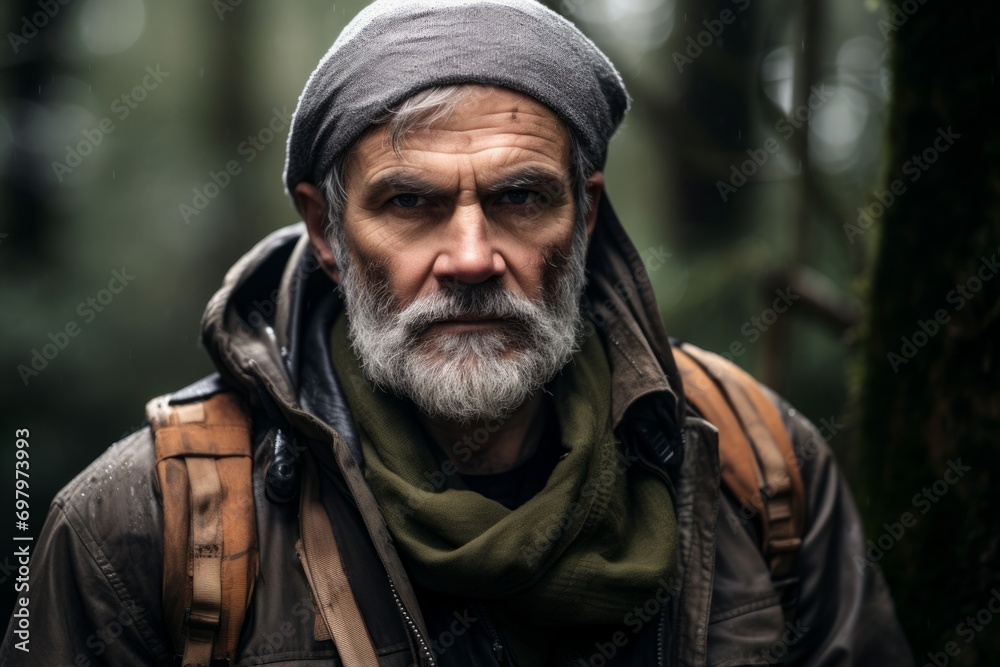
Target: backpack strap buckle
204,469
758,463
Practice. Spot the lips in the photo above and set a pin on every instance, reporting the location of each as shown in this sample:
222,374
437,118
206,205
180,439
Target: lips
473,322
470,319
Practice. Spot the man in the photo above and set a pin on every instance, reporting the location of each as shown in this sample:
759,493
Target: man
470,444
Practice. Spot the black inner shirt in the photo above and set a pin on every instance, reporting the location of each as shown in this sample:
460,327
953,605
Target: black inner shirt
512,488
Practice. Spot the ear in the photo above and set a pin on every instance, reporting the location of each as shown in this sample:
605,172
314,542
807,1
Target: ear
312,206
595,188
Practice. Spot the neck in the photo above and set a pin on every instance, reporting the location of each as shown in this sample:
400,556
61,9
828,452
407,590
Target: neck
486,447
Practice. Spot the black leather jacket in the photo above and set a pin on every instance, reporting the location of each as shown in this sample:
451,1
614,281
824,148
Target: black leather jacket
96,572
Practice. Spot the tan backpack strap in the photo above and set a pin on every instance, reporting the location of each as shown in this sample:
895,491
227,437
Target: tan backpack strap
739,468
335,601
757,459
204,466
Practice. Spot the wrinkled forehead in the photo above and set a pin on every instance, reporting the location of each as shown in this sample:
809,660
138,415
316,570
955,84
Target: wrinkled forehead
393,49
465,119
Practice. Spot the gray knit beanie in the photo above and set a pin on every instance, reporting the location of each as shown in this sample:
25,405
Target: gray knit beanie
396,48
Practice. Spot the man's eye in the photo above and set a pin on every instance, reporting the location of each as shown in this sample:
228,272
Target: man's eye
518,197
407,200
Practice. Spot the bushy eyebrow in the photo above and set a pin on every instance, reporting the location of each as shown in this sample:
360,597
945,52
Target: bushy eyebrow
547,181
397,182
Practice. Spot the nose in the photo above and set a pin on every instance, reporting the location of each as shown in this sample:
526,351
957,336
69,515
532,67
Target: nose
469,253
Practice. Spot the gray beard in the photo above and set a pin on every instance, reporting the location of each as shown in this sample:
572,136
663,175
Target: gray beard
466,376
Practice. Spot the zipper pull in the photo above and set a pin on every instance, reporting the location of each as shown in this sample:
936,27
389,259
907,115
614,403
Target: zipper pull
499,651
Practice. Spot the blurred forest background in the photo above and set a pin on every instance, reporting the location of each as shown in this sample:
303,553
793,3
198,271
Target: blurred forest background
766,160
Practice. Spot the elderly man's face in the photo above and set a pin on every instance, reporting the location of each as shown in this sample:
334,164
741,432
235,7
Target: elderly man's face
462,279
484,194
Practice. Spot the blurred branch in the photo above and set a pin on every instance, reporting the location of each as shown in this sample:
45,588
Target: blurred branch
819,298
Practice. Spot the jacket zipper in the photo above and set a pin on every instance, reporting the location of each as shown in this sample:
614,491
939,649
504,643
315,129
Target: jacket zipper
499,652
414,630
427,655
661,638
673,621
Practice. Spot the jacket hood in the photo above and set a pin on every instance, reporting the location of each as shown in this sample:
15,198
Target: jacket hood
256,326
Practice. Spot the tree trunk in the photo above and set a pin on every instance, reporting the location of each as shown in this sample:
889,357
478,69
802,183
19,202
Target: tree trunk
929,391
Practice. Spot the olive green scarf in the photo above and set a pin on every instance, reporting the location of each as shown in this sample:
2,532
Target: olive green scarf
595,542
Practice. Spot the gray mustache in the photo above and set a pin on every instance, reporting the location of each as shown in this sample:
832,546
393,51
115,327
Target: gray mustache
486,300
